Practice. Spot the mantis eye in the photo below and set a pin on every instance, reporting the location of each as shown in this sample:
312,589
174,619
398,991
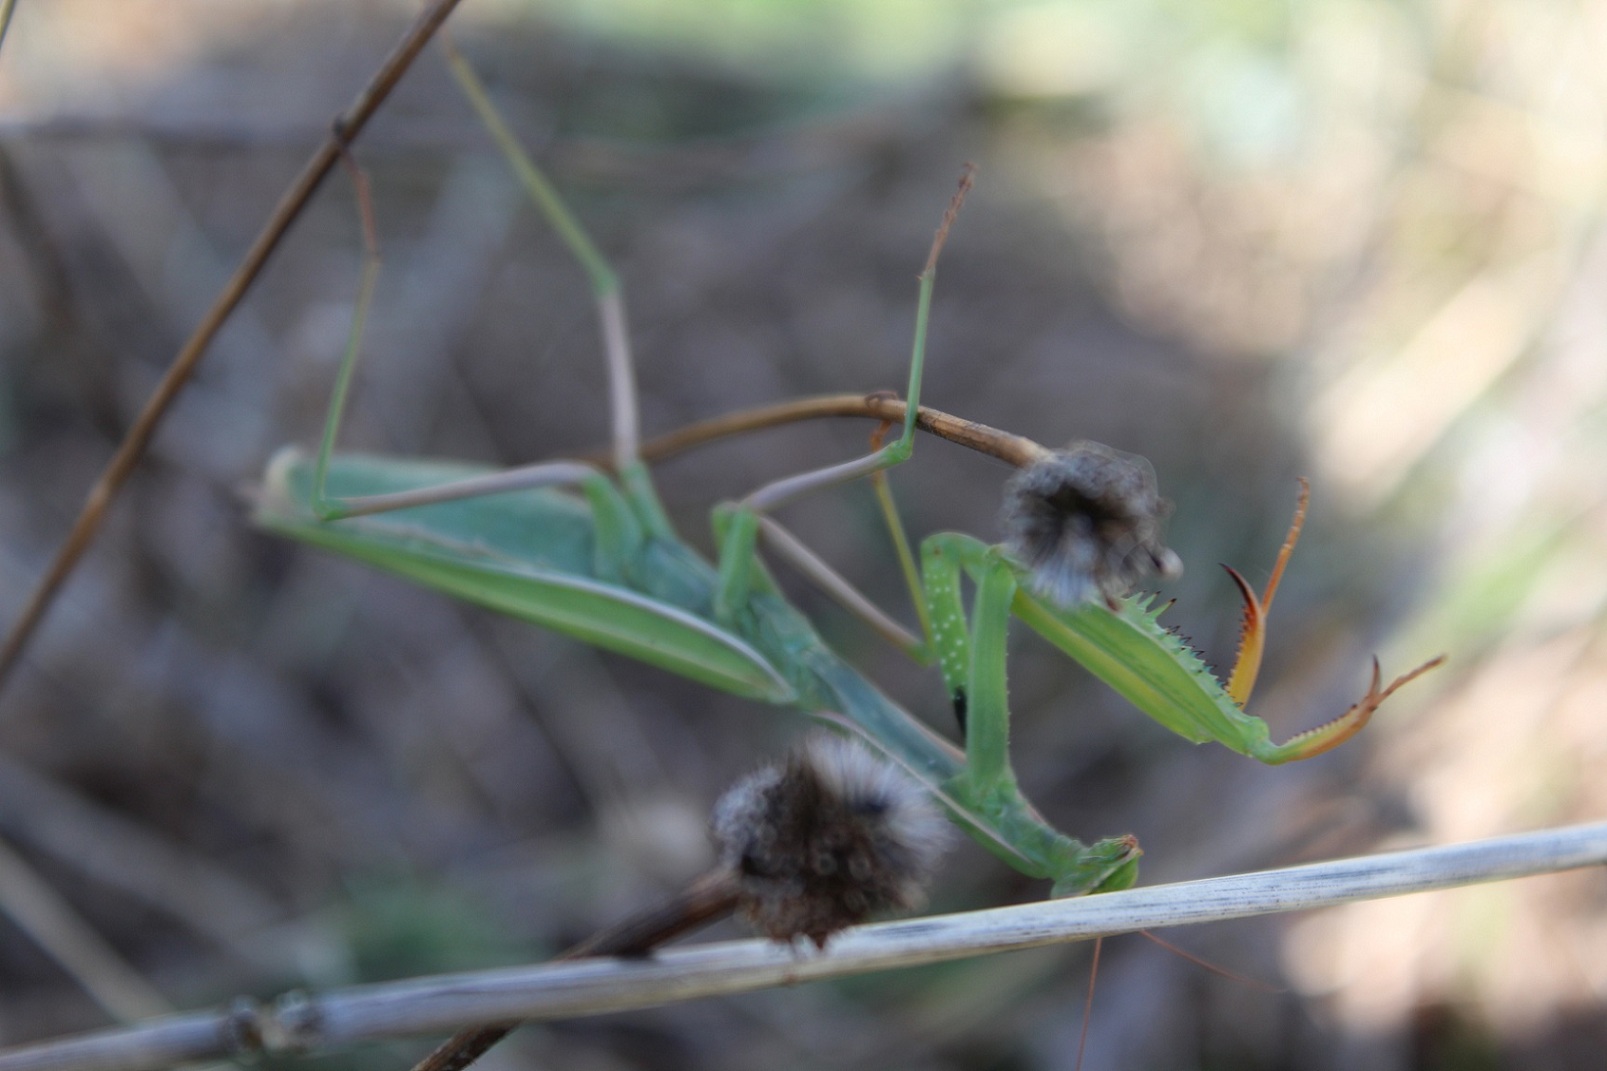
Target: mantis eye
1086,523
830,837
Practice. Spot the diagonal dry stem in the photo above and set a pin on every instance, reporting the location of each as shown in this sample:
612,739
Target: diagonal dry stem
346,128
706,900
35,908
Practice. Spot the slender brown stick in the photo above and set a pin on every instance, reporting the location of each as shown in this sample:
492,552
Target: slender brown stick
290,206
1012,449
707,899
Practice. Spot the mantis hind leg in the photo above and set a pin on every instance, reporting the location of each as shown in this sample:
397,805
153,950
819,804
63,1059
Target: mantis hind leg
624,416
618,530
625,423
621,519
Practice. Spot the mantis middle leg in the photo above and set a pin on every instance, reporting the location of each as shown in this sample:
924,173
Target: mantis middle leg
736,525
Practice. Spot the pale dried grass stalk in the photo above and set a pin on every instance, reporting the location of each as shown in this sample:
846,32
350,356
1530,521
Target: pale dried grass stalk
589,987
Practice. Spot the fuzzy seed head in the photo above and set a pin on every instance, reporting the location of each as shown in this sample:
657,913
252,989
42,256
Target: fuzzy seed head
826,839
1086,522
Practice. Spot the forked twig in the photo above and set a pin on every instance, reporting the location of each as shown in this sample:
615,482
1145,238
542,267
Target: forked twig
346,128
591,987
1010,448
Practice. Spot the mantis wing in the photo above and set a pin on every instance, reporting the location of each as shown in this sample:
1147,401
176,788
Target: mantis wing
528,554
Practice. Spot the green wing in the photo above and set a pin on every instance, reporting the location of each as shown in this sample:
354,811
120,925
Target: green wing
526,553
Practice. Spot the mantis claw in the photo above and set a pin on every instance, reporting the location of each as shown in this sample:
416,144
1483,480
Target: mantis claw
1252,644
1252,641
1252,631
1331,734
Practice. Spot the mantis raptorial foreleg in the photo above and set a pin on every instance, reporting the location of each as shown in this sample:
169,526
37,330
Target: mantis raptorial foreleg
1118,639
1125,646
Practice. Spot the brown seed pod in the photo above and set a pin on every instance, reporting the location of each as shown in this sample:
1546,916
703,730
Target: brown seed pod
1086,522
807,848
830,837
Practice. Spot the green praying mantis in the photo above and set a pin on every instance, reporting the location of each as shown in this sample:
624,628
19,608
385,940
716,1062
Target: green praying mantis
604,565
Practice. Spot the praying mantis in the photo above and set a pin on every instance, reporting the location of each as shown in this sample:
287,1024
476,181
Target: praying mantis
604,565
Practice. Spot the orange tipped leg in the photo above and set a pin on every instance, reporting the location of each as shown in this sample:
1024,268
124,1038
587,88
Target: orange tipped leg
1253,629
1331,734
1252,642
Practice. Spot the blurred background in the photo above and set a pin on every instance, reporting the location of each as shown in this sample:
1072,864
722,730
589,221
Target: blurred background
1351,239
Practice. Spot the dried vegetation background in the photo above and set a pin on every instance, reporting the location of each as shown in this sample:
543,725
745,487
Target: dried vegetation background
1356,240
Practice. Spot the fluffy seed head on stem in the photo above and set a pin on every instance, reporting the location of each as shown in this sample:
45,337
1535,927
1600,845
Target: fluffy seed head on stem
826,839
1086,522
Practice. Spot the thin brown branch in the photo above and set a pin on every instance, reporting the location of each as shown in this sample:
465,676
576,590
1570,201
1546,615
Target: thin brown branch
346,128
706,900
1012,449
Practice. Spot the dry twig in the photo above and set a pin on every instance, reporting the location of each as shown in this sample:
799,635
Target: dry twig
346,128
